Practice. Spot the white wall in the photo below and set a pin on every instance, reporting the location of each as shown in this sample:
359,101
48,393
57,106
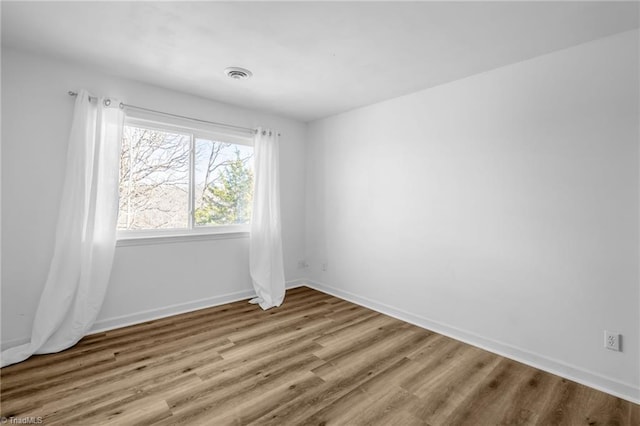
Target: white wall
501,209
146,280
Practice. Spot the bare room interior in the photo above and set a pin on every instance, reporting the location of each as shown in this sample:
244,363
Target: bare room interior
329,213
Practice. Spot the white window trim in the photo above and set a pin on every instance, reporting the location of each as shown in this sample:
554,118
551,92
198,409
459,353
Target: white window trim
238,138
137,237
134,237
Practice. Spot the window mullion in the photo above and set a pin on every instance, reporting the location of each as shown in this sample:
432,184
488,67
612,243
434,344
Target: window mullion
192,172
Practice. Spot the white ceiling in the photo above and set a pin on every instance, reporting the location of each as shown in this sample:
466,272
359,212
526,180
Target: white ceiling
309,59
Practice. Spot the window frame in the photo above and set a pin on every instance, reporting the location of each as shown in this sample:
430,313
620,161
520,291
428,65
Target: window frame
127,237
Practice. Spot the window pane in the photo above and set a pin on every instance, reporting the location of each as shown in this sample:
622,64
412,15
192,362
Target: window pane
154,179
223,183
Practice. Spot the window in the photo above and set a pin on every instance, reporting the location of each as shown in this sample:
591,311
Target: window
176,180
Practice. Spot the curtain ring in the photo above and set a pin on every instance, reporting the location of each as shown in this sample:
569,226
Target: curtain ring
107,102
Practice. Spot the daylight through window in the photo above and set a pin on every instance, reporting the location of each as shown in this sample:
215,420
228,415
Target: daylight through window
171,178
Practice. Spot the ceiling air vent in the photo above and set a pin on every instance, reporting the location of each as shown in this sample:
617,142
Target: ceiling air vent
238,73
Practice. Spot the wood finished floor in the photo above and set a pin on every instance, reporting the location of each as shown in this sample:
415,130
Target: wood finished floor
316,360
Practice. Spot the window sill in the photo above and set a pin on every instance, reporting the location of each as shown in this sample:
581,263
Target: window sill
141,238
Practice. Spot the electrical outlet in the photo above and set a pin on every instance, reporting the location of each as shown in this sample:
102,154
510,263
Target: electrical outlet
612,340
325,266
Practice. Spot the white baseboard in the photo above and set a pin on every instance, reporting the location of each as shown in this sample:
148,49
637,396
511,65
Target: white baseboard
296,283
614,387
181,308
107,324
167,311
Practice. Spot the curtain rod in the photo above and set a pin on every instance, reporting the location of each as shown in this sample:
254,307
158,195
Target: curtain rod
123,105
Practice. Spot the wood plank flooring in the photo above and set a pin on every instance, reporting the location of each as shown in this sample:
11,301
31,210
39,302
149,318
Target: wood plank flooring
315,360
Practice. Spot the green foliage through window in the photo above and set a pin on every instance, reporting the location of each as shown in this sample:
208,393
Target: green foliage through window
228,201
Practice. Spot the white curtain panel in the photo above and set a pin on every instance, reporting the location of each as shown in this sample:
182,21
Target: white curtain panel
85,235
266,264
